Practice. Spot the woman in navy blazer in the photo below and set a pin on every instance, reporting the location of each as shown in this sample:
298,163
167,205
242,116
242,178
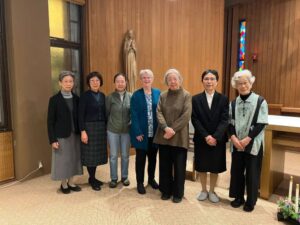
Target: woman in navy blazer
143,126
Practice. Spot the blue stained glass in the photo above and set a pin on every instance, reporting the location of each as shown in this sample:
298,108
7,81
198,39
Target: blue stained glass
242,43
241,65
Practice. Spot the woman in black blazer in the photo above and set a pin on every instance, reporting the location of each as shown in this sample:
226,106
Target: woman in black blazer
63,134
210,120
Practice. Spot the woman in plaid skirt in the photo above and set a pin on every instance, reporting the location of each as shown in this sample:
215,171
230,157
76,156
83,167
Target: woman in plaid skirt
92,124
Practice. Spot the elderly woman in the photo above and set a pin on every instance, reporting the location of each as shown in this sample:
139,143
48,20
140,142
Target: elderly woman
173,114
92,124
143,127
210,120
63,134
248,115
118,114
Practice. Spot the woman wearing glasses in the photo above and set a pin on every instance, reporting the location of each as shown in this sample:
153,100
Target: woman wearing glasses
210,120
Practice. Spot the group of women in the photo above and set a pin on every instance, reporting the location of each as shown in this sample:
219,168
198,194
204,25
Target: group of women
151,121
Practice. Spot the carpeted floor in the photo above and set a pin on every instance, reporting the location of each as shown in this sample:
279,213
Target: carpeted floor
39,201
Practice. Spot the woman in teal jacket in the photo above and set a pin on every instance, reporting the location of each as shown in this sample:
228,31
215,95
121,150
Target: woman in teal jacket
143,126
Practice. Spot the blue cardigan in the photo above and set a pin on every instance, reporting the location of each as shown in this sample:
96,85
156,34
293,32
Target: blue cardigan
139,120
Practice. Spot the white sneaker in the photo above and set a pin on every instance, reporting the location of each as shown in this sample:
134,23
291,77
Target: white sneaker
213,197
202,196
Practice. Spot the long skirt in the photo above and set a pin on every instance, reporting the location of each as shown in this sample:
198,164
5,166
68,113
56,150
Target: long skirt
210,158
94,153
66,160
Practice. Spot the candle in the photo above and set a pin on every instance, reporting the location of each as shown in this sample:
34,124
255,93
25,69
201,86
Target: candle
291,189
297,199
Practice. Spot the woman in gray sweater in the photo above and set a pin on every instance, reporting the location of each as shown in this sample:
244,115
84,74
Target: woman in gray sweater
173,114
118,116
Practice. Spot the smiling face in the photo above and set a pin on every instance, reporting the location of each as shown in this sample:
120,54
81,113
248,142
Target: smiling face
173,81
146,80
243,86
120,83
94,84
210,82
67,83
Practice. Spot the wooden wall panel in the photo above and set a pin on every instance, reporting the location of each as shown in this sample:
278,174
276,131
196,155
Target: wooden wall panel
6,156
185,34
273,32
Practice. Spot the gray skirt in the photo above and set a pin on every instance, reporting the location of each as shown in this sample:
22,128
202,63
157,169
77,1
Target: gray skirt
66,160
94,153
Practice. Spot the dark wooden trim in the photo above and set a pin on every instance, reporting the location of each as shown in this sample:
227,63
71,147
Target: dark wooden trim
228,23
230,3
4,72
61,43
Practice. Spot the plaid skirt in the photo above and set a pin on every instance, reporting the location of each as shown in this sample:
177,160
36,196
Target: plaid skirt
95,152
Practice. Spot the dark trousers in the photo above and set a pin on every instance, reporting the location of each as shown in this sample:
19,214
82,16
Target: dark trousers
140,162
172,168
241,162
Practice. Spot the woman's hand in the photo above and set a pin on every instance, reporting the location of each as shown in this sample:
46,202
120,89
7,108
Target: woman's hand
140,138
84,137
169,133
55,145
245,141
236,143
210,140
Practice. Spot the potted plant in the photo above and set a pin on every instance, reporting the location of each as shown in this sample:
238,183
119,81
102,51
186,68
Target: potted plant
286,211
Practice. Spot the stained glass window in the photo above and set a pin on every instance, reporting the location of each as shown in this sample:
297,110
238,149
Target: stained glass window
242,45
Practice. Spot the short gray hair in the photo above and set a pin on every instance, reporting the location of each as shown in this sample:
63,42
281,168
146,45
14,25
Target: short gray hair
242,74
175,72
65,73
146,71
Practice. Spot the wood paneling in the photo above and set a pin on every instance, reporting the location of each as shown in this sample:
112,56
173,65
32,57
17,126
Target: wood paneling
6,156
273,32
185,34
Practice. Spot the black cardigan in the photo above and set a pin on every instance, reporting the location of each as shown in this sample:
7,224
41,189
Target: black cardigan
91,110
59,117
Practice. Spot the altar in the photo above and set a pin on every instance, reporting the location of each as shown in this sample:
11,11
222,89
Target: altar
282,133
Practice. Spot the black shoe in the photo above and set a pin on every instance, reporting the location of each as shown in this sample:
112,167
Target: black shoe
65,190
165,197
125,181
237,202
248,208
141,189
99,182
94,185
176,199
75,188
113,183
153,184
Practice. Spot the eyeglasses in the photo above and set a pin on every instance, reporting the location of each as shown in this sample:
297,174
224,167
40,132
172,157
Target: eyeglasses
209,78
242,83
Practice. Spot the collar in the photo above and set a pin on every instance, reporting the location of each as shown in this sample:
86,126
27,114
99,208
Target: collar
210,95
250,99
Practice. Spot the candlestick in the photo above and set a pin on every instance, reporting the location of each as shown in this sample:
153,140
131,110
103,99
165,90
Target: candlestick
297,199
291,189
